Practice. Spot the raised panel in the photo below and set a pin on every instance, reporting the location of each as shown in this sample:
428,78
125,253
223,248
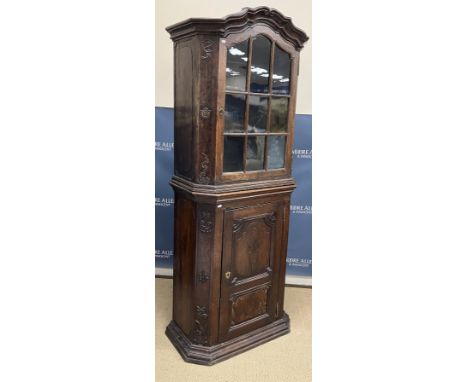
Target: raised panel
252,243
183,117
249,305
251,248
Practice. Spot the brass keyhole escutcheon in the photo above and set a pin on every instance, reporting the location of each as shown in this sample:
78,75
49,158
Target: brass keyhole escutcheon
227,275
221,111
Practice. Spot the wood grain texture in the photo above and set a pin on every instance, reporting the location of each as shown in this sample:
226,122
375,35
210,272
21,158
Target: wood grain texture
247,306
184,262
183,116
239,22
225,45
250,268
210,355
231,229
284,359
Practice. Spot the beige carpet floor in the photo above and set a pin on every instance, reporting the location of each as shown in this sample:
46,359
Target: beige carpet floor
284,359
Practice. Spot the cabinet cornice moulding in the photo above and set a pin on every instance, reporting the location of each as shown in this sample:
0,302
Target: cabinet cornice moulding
238,22
223,190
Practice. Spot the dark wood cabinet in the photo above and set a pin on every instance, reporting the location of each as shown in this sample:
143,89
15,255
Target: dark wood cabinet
235,82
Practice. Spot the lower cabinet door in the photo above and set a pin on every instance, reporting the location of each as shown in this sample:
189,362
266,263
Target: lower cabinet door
252,245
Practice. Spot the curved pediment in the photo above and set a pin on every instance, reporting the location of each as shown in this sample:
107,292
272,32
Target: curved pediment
238,22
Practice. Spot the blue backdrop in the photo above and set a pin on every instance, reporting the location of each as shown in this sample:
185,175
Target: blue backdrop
299,260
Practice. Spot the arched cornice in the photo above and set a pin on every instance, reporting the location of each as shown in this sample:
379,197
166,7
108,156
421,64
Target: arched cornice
239,22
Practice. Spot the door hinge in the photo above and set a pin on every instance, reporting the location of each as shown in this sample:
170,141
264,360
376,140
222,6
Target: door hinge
277,310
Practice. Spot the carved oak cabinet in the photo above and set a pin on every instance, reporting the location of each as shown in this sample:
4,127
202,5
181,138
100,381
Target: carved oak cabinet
235,83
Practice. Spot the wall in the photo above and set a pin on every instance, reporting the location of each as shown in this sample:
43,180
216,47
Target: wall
299,267
169,12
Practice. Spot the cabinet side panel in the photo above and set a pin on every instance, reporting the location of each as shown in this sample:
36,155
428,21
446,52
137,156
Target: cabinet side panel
206,69
184,262
183,117
284,254
203,333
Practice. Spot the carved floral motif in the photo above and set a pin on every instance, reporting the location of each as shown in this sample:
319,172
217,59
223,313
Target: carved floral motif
202,311
199,332
204,168
207,48
202,277
206,222
270,220
205,113
237,225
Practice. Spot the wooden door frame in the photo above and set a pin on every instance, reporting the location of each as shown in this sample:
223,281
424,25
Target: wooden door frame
224,44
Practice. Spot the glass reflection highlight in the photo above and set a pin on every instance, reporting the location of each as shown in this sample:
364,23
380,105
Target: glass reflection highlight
260,66
281,71
255,152
276,151
258,114
236,66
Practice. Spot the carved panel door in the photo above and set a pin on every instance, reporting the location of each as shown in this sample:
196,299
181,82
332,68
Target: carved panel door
249,280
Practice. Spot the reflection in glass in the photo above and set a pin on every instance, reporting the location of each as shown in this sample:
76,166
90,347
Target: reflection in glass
260,66
275,154
255,150
234,109
279,114
258,113
236,66
233,154
281,71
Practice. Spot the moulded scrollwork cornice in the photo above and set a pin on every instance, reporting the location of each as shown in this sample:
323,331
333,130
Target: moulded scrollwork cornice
238,22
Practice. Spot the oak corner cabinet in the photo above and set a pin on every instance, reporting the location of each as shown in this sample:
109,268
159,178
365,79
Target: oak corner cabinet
235,82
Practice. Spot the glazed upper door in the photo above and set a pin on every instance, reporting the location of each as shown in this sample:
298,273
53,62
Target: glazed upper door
252,245
257,104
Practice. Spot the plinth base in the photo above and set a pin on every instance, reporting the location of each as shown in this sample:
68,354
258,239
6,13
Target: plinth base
209,355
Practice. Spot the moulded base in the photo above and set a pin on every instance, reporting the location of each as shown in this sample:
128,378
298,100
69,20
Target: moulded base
209,355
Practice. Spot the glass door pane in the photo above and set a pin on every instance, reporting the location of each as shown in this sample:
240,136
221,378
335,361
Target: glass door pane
260,66
256,108
258,114
279,115
234,110
236,66
233,154
276,145
255,153
281,71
